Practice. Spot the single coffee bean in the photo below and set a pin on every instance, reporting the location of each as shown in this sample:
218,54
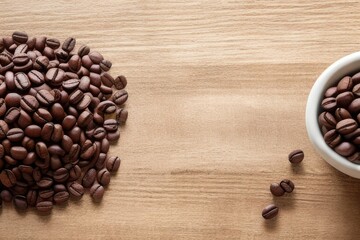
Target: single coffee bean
74,134
84,84
89,178
270,211
344,99
7,178
105,65
46,193
15,134
96,57
345,149
29,103
41,63
21,59
95,68
69,44
354,106
49,53
84,119
276,189
76,97
5,59
296,156
71,84
31,198
113,164
120,82
327,119
24,119
97,192
121,96
341,114
107,79
57,111
36,77
105,107
100,163
95,79
20,202
74,63
61,175
121,115
45,182
55,76
19,37
22,48
12,115
99,133
103,177
84,103
356,90
75,173
346,126
110,125
113,136
44,206
42,116
345,84
287,185
45,97
328,104
42,150
6,196
61,197
83,50
75,189
53,43
332,138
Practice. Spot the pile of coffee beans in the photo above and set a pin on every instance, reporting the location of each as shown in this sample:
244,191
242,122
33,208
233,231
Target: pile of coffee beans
285,186
340,117
59,113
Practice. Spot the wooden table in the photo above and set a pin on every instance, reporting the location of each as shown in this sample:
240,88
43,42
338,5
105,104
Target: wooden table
217,101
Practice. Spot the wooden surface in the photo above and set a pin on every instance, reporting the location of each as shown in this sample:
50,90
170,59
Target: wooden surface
217,101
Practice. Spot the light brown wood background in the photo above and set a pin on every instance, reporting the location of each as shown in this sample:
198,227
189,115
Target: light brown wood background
217,101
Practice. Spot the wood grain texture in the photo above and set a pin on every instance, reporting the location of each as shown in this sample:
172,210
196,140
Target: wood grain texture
217,101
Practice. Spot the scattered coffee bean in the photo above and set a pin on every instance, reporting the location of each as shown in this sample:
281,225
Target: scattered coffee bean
296,156
276,189
287,185
270,211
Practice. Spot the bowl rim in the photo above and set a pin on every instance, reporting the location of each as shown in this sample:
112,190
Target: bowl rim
311,117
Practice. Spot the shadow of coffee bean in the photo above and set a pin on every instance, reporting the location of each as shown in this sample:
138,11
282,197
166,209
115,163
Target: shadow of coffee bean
271,224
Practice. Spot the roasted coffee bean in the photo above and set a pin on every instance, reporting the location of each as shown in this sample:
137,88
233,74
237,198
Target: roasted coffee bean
327,119
71,84
287,185
6,196
49,53
84,119
31,198
70,121
113,164
12,115
356,90
42,150
69,44
95,68
100,162
97,192
45,97
328,104
345,149
345,84
44,206
296,156
96,57
84,103
121,115
74,63
75,189
74,134
74,173
270,211
61,197
105,145
46,193
95,79
61,175
344,99
105,107
99,133
76,97
20,202
29,103
7,178
276,189
110,125
56,150
21,59
57,111
36,77
346,126
121,96
105,65
42,116
10,81
55,76
53,43
332,138
341,114
120,82
22,48
83,50
107,79
28,143
19,37
89,178
15,134
41,63
354,106
103,177
113,136
45,182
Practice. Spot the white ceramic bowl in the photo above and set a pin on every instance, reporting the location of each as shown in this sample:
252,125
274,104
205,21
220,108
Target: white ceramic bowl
347,65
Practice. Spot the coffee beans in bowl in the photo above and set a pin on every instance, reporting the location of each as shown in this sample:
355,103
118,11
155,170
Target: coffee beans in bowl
60,110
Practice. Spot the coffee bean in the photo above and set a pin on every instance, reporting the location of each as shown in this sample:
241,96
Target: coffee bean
121,96
57,112
20,202
42,116
120,82
47,193
105,65
31,198
21,59
22,48
296,156
103,177
345,84
332,138
327,119
12,115
89,178
100,162
110,125
44,206
84,119
99,133
69,44
344,99
113,136
96,57
61,175
7,178
345,149
354,106
6,196
113,164
36,77
105,145
53,43
74,63
45,182
287,185
105,107
121,115
19,37
341,114
276,189
49,53
84,103
75,189
61,197
76,97
55,76
346,126
15,135
270,211
29,103
328,104
97,192
41,63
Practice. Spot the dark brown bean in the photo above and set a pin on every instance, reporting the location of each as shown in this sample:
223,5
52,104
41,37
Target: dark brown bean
61,175
20,202
120,82
103,177
270,211
61,197
276,189
7,178
346,126
53,43
75,189
19,37
345,84
97,192
44,206
113,164
15,134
